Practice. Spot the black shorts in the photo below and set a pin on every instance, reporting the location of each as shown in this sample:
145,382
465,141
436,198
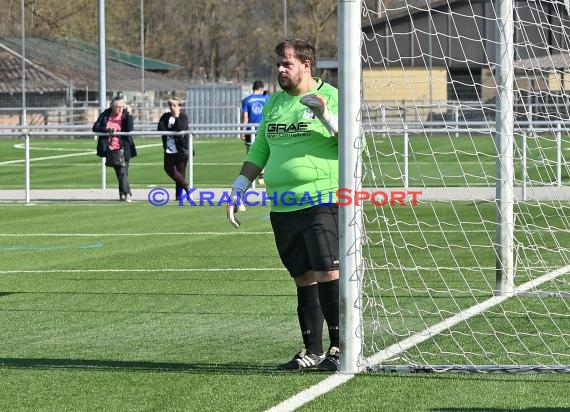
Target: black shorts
307,239
249,137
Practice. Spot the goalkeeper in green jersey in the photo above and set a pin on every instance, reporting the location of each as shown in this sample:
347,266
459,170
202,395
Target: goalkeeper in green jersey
297,146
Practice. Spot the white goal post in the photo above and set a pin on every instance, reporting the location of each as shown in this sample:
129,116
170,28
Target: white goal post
455,132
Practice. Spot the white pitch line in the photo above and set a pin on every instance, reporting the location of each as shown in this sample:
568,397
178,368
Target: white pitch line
229,233
87,153
53,149
468,313
23,146
338,379
6,272
311,393
216,164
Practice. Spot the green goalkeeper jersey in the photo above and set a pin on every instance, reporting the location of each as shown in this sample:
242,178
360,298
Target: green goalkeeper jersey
299,154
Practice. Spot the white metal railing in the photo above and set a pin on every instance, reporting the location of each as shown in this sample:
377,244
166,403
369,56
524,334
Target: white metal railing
28,132
213,130
87,112
376,127
147,113
527,130
557,129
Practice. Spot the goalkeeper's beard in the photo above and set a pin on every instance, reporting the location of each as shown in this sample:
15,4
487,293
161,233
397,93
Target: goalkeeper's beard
287,83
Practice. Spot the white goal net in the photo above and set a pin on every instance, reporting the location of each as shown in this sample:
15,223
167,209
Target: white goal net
466,247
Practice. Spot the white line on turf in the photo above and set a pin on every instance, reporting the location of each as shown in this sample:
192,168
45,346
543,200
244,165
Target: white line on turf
51,149
228,233
161,270
35,159
468,313
92,152
85,153
338,379
311,393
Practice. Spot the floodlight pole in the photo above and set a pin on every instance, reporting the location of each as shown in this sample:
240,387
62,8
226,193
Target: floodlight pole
102,79
285,19
504,141
24,119
143,92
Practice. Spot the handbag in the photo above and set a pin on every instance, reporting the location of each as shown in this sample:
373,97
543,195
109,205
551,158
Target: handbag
115,158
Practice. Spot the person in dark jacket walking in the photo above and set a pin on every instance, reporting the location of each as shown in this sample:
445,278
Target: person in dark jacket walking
176,146
117,119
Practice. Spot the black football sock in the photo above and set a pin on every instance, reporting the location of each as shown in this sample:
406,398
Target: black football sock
329,299
310,318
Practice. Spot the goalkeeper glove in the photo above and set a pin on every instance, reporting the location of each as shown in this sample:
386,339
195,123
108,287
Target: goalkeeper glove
318,106
239,187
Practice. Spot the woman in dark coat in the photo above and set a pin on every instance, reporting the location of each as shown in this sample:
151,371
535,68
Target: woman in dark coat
176,146
117,119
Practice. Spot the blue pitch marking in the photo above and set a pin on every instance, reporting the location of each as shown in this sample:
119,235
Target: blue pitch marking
18,248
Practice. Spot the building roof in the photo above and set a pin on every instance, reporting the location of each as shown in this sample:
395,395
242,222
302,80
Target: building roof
37,78
409,10
75,64
555,61
127,58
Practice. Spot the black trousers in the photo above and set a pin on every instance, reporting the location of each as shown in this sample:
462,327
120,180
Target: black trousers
123,178
175,168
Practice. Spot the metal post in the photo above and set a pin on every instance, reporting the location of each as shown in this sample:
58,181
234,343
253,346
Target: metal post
558,155
350,149
504,141
406,156
384,124
102,79
285,19
456,118
530,116
253,184
143,91
430,57
24,119
524,171
191,164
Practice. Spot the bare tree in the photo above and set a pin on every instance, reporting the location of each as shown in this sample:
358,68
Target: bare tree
212,39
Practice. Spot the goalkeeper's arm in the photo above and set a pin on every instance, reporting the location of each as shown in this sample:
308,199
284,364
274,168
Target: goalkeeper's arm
249,171
319,107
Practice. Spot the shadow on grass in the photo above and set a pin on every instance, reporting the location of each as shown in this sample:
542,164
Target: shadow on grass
5,294
134,366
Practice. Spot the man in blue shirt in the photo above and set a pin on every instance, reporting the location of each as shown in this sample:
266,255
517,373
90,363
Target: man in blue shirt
251,110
